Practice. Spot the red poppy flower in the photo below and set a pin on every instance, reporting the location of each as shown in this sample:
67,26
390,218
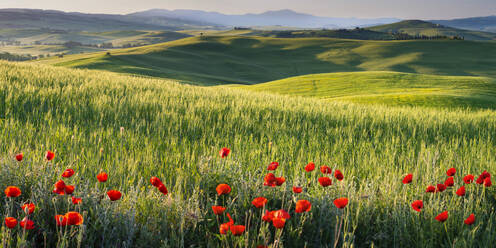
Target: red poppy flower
297,190
487,182
407,179
61,220
19,157
224,152
114,195
270,180
223,189
102,177
273,166
281,214
482,177
267,217
449,182
163,189
461,191
341,202
442,217
60,185
76,200
74,218
310,167
259,202
485,174
69,189
440,187
27,223
155,181
278,222
68,173
338,175
325,169
224,228
12,191
280,181
470,220
49,155
218,210
468,179
28,208
303,206
58,192
430,189
451,172
237,230
325,181
417,205
10,222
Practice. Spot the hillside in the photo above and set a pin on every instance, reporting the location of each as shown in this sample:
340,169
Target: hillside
484,23
137,128
390,88
418,27
249,60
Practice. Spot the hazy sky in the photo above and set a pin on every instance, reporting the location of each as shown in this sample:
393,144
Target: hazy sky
406,9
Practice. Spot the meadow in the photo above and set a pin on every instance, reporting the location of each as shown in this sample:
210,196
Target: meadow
134,128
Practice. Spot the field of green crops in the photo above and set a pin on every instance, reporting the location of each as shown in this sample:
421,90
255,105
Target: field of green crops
135,128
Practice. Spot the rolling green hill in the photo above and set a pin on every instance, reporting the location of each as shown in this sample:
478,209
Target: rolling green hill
418,27
249,60
390,88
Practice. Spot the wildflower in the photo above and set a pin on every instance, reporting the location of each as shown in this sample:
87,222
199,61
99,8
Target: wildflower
468,179
224,228
28,208
325,169
297,190
449,182
223,189
74,218
155,181
430,189
237,230
338,175
487,182
163,189
114,195
461,191
270,180
19,157
68,173
12,191
69,189
10,222
61,220
27,223
224,152
273,166
407,179
218,210
49,155
341,202
310,167
303,206
280,181
470,220
281,214
259,202
325,181
440,187
278,222
442,217
60,185
102,177
76,200
417,205
482,177
451,172
267,217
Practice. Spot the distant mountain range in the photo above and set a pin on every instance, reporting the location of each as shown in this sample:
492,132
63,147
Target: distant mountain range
270,18
486,23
